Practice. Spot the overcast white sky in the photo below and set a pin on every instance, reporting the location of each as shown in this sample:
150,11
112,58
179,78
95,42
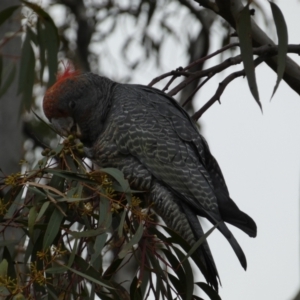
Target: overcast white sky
260,158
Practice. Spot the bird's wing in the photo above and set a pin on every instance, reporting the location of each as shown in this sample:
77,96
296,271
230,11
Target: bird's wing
156,130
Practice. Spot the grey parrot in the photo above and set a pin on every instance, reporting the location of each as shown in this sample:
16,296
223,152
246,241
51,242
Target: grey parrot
149,137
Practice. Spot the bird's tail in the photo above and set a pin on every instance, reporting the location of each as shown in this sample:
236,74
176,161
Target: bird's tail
211,273
231,214
214,218
234,244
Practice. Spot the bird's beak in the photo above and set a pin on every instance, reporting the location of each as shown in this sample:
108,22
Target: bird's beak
63,125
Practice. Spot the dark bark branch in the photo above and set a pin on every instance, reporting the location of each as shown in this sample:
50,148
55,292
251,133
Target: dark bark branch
229,10
222,85
265,51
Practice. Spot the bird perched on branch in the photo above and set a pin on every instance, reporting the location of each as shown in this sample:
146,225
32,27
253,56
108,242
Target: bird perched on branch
147,135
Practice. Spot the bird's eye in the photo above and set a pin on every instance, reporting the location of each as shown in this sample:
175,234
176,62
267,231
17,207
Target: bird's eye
72,104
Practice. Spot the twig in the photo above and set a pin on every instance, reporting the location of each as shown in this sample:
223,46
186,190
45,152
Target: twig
190,97
221,88
202,59
178,72
208,72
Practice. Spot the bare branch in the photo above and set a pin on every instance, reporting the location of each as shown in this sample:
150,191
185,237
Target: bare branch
221,88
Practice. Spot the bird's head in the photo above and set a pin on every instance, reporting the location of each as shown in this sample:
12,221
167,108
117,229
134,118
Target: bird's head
78,104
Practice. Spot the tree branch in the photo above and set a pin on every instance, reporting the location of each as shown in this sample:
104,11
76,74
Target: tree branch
229,10
221,88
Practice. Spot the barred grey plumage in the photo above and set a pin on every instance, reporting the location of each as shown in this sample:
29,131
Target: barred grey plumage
146,134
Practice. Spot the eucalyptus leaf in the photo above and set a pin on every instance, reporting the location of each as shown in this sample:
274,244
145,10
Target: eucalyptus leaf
89,273
98,246
51,40
88,233
119,177
189,277
282,34
17,204
31,220
3,267
27,73
213,295
134,240
42,211
53,228
7,13
245,36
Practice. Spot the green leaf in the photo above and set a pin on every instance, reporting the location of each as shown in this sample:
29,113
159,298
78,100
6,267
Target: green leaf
282,34
37,247
11,269
3,267
38,191
177,239
6,13
41,39
71,164
104,210
27,71
70,175
9,79
160,278
52,43
201,240
135,293
98,246
112,269
189,277
73,253
29,246
17,203
19,296
4,292
134,240
52,228
51,39
145,281
88,233
119,177
32,36
121,225
3,272
245,37
88,276
213,295
31,220
176,265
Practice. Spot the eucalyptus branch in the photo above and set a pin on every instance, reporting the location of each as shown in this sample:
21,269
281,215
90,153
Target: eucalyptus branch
208,72
179,71
230,10
196,90
221,88
265,51
202,59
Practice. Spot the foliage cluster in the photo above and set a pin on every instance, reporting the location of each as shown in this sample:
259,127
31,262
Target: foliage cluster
79,228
